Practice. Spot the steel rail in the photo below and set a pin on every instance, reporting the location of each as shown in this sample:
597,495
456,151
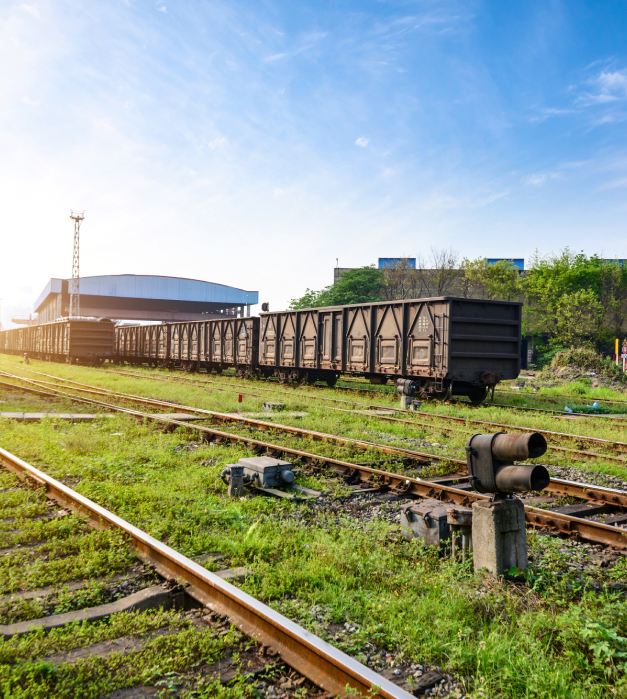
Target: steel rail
25,388
362,443
414,487
438,416
621,458
338,400
201,382
320,662
556,485
563,435
259,424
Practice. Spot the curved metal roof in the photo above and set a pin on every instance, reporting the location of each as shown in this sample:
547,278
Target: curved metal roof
143,286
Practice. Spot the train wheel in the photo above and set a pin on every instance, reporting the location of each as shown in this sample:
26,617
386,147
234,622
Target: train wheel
282,377
332,380
440,395
478,394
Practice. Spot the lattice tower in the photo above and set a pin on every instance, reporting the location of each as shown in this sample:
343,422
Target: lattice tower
77,217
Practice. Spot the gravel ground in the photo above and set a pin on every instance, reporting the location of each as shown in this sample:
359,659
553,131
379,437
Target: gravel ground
571,473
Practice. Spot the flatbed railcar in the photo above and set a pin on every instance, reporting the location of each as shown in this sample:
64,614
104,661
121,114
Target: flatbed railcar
446,345
73,340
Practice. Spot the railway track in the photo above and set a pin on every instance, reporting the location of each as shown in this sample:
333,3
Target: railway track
430,420
367,391
556,435
165,580
597,501
423,457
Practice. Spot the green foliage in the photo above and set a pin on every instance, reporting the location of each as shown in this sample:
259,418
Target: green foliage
500,280
586,359
360,285
573,299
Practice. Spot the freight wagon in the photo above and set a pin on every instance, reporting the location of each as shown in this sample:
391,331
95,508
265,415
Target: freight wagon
75,340
212,344
446,345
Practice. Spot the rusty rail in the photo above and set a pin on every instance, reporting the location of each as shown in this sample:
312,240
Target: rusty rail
320,662
558,486
557,435
416,487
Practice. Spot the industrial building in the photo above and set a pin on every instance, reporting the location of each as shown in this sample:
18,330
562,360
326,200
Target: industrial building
145,298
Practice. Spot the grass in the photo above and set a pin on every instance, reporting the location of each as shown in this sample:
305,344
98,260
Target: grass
561,633
160,661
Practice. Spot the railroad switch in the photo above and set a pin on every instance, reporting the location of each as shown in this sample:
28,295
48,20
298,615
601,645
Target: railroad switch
407,389
437,523
265,474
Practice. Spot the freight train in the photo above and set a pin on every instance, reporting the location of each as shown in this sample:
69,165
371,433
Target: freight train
445,345
75,340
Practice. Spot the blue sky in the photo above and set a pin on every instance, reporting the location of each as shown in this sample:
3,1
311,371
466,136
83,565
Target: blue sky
252,144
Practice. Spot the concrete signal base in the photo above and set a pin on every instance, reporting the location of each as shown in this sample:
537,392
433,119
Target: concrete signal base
499,536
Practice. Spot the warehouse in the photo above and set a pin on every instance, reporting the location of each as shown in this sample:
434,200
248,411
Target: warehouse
145,298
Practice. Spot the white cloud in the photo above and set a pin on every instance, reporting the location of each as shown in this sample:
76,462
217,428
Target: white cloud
548,112
608,86
32,10
275,57
30,102
217,142
536,180
362,142
278,192
163,8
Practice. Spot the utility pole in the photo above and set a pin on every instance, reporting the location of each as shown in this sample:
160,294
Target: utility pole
75,311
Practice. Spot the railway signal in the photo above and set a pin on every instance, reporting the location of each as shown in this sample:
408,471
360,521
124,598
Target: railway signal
490,459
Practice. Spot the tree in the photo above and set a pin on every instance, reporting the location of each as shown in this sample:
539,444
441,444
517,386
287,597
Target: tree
613,296
401,282
360,285
499,280
577,319
439,273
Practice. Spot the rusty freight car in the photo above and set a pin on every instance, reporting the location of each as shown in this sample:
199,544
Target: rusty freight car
213,344
446,345
74,340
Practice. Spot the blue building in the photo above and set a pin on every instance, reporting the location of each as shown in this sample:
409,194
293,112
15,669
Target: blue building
145,297
394,262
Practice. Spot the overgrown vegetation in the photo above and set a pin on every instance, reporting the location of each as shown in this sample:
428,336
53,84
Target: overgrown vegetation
570,299
561,634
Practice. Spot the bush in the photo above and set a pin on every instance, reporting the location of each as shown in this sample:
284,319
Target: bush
586,359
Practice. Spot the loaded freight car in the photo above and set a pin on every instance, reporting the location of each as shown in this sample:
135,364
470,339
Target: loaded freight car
74,340
213,344
446,345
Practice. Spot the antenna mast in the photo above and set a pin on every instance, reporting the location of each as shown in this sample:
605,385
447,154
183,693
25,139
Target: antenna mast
77,217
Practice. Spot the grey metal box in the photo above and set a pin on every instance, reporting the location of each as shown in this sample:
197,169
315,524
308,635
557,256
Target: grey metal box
427,520
267,472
